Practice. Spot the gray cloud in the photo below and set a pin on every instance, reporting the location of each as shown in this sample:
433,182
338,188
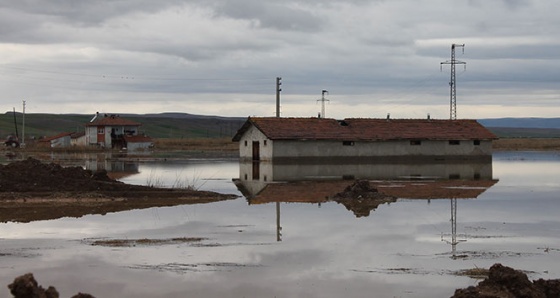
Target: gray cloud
383,50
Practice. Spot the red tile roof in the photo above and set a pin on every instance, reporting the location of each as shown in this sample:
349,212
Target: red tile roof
113,120
361,129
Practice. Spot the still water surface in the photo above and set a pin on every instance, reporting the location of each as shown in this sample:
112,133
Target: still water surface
401,249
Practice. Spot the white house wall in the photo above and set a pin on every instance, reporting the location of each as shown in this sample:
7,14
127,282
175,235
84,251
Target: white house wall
246,145
91,135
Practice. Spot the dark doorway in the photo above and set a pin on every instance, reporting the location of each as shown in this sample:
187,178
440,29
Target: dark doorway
256,151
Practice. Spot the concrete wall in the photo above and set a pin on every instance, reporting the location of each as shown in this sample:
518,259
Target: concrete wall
312,149
61,142
135,146
79,141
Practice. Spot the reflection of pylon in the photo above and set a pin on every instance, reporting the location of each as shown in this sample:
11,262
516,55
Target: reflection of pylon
454,240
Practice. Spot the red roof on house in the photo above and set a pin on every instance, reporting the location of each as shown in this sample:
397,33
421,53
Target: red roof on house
362,129
113,120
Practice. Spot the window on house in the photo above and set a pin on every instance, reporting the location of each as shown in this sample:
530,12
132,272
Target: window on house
245,143
454,176
100,130
347,143
476,142
454,142
415,142
264,143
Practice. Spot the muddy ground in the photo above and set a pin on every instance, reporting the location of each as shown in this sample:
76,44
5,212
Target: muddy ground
31,190
506,282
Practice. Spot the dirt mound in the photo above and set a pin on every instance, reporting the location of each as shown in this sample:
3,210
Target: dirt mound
361,198
31,190
26,286
506,282
33,175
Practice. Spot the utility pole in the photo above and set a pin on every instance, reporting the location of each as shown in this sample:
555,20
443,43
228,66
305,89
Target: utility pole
22,145
278,89
278,226
452,82
322,100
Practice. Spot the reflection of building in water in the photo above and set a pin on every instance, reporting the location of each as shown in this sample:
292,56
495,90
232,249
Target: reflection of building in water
263,182
116,169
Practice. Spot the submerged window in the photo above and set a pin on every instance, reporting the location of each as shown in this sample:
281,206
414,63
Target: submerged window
454,142
476,142
348,143
415,142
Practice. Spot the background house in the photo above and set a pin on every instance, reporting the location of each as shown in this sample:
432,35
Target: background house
60,140
111,131
78,139
318,139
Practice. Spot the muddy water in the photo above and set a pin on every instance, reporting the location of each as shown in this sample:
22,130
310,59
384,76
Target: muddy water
401,249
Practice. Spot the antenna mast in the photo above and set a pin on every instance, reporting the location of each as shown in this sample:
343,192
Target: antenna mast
452,82
322,100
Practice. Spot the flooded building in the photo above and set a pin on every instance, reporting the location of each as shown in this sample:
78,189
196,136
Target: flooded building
362,140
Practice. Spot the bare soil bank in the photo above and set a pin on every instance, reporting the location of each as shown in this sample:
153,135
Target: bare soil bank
31,190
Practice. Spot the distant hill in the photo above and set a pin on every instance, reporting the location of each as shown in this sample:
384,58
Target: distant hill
522,122
523,127
165,125
184,125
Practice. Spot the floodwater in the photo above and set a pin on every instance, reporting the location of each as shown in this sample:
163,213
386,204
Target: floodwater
285,239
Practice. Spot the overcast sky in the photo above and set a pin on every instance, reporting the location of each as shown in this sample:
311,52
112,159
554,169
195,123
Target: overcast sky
222,57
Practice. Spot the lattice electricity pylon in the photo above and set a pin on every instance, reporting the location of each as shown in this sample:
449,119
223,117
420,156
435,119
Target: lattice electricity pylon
452,82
